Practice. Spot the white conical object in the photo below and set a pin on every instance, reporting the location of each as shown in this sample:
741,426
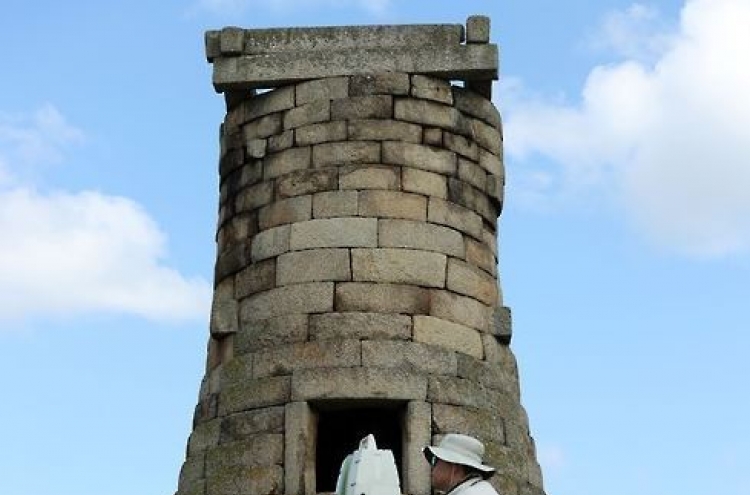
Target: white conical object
368,471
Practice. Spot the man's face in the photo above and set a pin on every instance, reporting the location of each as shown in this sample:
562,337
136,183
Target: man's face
445,475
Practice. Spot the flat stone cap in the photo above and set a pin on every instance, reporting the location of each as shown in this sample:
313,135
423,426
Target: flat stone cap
267,58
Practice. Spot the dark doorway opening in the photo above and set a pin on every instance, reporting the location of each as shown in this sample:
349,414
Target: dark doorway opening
339,434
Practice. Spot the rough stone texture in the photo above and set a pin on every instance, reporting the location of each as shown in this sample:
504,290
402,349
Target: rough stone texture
322,89
475,422
455,216
473,104
448,335
254,197
398,266
417,429
358,383
422,182
369,177
290,210
270,242
280,142
478,29
313,265
334,232
256,278
430,88
477,61
477,253
471,281
384,130
284,360
423,236
382,298
314,297
285,162
360,326
344,153
335,204
224,309
413,356
299,449
263,449
307,182
429,113
258,334
323,132
392,204
460,309
362,107
420,156
240,480
309,113
357,255
254,394
391,83
262,127
243,425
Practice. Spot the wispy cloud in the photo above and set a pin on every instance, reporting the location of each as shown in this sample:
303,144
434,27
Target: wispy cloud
668,138
65,252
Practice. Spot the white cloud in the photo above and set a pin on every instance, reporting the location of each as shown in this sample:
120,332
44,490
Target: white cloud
65,253
551,457
669,138
234,7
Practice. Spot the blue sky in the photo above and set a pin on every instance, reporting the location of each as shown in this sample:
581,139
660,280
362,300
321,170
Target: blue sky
624,243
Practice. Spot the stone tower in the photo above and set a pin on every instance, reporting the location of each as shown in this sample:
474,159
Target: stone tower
356,285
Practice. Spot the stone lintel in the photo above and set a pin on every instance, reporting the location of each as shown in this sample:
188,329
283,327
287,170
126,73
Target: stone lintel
238,41
477,62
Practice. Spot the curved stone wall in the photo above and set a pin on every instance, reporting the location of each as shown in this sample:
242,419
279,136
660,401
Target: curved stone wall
357,260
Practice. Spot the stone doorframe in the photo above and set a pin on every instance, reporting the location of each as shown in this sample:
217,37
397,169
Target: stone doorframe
300,440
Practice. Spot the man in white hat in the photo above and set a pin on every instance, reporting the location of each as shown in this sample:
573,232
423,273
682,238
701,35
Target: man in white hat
457,467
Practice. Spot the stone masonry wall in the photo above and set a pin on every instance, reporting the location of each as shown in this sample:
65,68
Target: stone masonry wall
357,258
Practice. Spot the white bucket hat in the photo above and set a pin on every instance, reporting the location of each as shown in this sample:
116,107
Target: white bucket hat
460,449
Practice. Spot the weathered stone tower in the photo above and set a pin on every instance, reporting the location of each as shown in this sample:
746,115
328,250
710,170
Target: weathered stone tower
356,280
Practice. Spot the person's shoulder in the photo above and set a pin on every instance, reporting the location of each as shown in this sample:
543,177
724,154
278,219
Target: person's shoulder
482,488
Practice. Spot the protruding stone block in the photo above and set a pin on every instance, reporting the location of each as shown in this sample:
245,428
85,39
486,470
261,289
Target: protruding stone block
224,309
478,29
